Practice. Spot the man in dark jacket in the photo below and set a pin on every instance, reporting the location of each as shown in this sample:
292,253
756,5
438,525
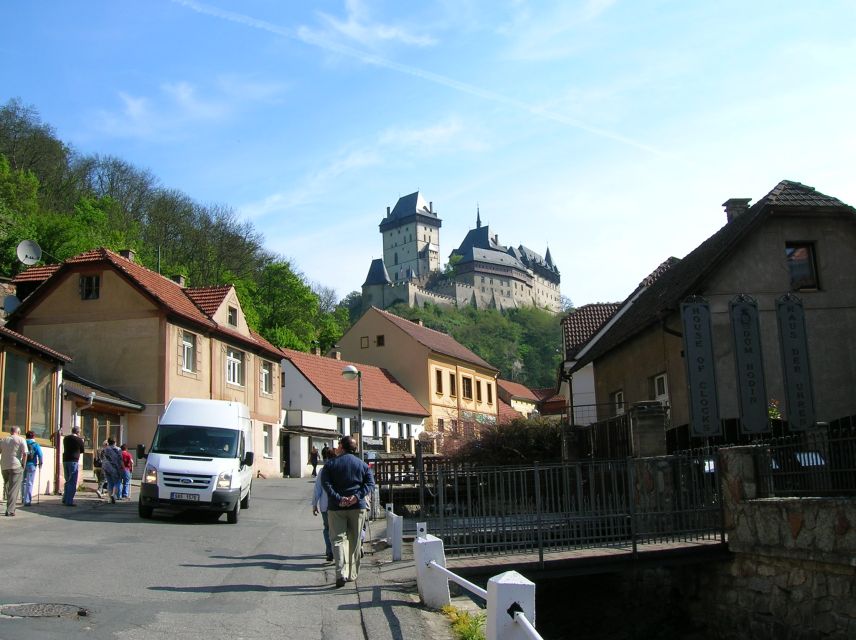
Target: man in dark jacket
348,482
72,447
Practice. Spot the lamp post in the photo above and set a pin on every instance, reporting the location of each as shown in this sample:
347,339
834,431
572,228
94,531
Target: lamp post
349,373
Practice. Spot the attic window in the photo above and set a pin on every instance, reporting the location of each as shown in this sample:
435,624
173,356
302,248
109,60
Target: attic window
233,316
90,287
380,341
801,266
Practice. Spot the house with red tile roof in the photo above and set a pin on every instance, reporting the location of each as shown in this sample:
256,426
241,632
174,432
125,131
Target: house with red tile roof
455,385
518,396
150,338
321,405
793,243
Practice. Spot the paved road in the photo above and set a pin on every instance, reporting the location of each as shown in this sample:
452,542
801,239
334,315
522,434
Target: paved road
186,576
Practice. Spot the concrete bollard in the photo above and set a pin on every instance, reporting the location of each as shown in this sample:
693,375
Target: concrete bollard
395,531
433,585
421,529
508,590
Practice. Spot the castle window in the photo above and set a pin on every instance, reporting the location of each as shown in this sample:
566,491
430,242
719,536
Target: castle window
396,259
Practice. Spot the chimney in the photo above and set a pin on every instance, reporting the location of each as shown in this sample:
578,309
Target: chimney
387,212
128,254
179,279
420,323
735,207
431,207
316,351
337,355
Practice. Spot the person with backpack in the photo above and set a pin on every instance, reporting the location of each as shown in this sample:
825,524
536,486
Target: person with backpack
34,461
111,463
100,478
13,456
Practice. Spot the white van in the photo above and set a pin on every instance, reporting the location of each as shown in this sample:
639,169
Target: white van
200,458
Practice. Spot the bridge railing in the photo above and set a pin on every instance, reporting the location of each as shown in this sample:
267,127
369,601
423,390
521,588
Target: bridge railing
509,597
478,510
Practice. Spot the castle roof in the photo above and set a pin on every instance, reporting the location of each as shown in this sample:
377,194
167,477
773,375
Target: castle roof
377,273
410,207
489,256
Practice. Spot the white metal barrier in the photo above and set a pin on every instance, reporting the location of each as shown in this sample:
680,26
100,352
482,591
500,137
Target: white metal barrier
510,596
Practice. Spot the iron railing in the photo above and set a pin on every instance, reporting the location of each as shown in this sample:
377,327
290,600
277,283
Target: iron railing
818,462
501,510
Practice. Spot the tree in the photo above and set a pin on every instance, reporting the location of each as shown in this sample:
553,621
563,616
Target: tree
523,441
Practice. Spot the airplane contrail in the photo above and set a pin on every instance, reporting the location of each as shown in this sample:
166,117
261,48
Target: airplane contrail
307,37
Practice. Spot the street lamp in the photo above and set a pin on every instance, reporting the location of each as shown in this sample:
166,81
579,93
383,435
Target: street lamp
349,373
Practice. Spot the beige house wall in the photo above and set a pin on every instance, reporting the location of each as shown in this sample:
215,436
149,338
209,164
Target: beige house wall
525,407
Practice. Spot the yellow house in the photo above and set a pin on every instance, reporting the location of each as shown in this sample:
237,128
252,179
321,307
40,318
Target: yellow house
151,338
456,386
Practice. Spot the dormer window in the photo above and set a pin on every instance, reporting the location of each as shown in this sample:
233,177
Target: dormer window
801,266
90,287
233,317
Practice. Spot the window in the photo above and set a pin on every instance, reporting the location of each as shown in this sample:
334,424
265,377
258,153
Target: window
188,352
409,432
454,427
90,287
282,379
467,384
441,425
266,381
438,377
233,316
376,429
234,366
618,402
801,265
267,434
15,391
40,404
453,391
385,429
489,393
379,341
478,391
340,425
661,388
364,342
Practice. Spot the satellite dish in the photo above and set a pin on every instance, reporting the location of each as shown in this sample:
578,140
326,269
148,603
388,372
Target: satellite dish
29,252
10,303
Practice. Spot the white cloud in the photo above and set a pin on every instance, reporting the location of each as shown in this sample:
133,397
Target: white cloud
359,28
445,136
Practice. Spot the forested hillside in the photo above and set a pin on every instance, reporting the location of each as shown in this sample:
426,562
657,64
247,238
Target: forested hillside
70,202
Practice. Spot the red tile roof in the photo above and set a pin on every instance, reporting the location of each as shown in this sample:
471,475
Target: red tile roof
580,325
547,394
36,274
436,341
166,293
381,392
505,414
208,299
32,344
516,390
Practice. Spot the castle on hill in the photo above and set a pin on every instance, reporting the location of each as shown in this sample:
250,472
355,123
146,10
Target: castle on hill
481,272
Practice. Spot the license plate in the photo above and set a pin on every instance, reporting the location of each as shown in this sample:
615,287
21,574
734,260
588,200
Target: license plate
185,496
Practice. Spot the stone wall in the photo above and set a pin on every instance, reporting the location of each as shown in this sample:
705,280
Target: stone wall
793,576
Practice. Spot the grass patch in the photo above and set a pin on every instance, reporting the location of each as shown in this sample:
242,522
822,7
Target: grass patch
465,625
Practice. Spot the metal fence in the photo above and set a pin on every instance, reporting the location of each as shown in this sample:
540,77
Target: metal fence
483,511
819,462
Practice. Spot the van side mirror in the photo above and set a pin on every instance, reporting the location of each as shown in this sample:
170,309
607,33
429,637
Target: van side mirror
248,459
141,451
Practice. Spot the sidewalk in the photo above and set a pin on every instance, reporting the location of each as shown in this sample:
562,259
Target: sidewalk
85,497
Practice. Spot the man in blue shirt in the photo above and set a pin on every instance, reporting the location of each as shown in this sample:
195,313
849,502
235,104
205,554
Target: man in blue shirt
348,482
34,460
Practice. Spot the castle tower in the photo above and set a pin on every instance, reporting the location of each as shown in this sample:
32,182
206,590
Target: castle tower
411,239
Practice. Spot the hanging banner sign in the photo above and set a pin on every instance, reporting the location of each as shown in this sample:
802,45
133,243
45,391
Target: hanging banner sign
701,375
799,395
751,389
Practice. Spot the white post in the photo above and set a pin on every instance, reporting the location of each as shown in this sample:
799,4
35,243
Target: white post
395,530
433,585
421,529
505,591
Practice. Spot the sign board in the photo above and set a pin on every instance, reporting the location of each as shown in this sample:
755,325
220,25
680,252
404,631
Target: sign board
751,387
701,374
799,394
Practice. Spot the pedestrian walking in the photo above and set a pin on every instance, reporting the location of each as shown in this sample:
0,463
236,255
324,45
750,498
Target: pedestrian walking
320,502
100,478
34,461
111,463
313,460
72,447
127,470
348,481
13,457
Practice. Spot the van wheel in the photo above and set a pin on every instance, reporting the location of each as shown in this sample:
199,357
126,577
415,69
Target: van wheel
144,511
245,503
232,516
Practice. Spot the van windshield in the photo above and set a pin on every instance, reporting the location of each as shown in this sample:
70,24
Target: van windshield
195,441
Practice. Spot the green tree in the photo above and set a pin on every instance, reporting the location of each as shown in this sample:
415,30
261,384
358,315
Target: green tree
19,209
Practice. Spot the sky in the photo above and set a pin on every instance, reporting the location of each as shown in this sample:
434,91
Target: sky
609,131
